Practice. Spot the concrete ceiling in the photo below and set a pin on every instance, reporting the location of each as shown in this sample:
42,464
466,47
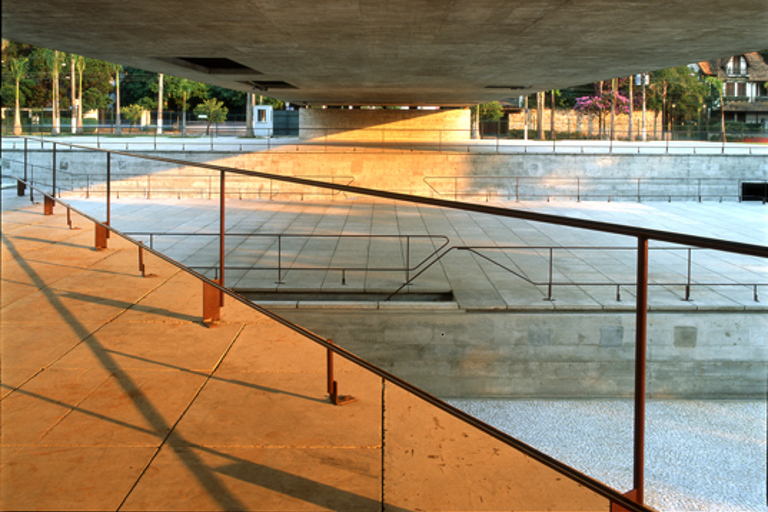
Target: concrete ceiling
393,52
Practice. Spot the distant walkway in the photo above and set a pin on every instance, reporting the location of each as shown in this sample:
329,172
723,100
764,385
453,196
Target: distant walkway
509,267
136,142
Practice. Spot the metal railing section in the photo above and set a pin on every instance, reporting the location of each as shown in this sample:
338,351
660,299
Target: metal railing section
489,187
550,283
405,242
329,140
611,495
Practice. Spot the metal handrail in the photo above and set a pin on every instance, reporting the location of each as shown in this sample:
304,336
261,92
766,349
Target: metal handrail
577,192
550,283
585,480
210,190
280,236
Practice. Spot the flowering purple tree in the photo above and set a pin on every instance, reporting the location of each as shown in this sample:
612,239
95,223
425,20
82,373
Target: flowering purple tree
600,103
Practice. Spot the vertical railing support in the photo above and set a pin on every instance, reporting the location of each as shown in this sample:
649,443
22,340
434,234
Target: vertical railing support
333,386
48,203
100,236
222,224
688,278
640,367
141,259
549,280
53,185
109,191
21,187
211,303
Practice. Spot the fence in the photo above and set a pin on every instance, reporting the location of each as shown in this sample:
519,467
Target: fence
641,236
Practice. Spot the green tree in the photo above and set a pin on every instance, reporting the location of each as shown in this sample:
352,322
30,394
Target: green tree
214,112
182,89
18,68
53,60
133,113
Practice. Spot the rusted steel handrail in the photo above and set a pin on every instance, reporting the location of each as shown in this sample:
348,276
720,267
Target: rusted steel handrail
279,236
588,482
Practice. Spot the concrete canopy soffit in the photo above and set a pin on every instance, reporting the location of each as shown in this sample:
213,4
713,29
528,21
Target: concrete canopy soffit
400,52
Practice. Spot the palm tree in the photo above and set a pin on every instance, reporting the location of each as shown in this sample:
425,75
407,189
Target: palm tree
185,89
18,69
717,84
80,65
54,59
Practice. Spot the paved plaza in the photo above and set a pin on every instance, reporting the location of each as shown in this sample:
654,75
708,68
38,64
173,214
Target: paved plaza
508,269
102,340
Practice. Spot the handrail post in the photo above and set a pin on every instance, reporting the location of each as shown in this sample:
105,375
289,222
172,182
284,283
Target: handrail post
641,325
279,259
21,187
407,257
53,186
549,284
688,279
222,223
109,190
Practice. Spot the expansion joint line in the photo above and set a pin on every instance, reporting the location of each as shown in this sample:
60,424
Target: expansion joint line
181,416
85,338
383,443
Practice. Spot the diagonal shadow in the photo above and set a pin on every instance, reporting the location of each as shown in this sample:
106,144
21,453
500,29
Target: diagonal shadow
51,243
205,476
207,479
238,382
119,304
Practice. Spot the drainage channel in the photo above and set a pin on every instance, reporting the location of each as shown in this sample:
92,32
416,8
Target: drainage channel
442,298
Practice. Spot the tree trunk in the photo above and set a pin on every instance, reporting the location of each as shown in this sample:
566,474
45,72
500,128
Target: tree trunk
160,104
614,85
55,113
722,118
73,117
80,100
552,117
249,115
184,115
630,135
118,119
540,114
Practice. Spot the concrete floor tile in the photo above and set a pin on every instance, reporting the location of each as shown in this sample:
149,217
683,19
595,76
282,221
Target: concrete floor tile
452,455
276,479
71,477
301,416
130,408
29,412
31,343
270,347
152,346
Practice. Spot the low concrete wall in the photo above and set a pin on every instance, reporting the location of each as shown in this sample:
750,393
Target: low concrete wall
555,355
385,125
487,176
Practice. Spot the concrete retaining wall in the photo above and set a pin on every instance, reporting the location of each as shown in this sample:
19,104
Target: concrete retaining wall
384,125
491,176
556,355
